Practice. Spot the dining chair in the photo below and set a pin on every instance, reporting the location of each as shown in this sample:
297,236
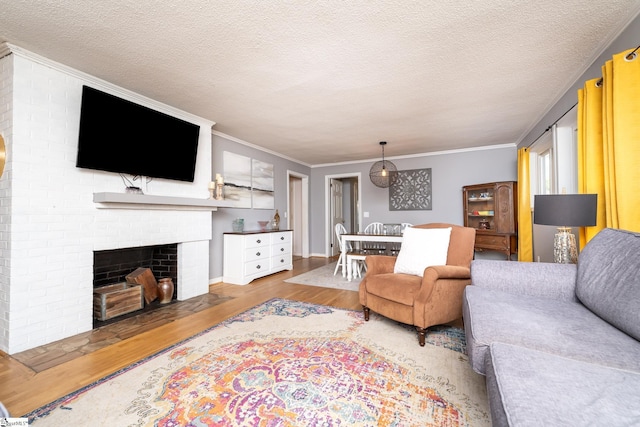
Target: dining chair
374,228
344,248
353,259
395,247
374,247
356,264
405,225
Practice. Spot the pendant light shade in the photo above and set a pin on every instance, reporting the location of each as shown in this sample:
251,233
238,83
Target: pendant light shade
383,172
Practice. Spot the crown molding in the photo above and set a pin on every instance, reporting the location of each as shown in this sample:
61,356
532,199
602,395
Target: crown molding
428,154
5,49
257,147
97,83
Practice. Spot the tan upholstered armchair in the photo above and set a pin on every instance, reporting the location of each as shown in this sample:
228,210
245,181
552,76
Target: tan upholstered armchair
433,299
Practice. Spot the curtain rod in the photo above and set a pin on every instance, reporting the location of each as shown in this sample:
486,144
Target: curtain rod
629,57
551,125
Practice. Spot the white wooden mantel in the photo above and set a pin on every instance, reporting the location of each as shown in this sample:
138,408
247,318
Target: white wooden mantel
147,201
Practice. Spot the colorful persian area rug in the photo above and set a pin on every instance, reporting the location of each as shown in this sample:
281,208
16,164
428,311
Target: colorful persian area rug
324,277
287,363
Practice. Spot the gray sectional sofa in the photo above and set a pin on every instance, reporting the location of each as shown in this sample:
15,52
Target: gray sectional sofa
559,344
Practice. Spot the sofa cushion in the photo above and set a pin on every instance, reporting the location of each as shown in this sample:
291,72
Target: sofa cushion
608,280
562,327
532,388
421,248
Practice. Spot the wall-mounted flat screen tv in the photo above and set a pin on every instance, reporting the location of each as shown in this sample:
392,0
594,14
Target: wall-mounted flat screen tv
121,136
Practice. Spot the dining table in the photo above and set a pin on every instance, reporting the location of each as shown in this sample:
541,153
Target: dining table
362,238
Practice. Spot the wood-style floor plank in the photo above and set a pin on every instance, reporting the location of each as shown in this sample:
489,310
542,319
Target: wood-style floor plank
23,390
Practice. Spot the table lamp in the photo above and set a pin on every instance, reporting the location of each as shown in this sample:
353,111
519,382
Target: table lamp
565,211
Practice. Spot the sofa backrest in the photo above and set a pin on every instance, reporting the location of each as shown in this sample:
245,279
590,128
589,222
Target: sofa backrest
608,280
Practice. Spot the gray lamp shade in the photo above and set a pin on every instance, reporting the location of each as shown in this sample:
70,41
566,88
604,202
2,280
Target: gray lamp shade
565,210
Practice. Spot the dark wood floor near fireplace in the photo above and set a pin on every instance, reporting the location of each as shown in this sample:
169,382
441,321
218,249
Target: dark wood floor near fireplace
113,331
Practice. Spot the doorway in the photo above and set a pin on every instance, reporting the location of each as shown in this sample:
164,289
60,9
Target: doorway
342,206
297,214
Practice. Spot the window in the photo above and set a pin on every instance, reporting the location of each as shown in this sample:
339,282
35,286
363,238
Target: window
553,159
545,172
541,162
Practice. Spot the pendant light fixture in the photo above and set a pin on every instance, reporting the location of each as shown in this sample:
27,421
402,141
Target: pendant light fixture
383,172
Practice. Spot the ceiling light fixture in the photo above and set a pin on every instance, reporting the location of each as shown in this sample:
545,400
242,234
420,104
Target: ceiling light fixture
383,172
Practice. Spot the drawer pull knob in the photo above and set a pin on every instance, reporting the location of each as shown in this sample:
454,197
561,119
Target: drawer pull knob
257,253
281,237
281,249
258,241
258,267
282,260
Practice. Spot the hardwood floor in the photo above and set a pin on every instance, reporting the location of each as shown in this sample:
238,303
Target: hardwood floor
23,388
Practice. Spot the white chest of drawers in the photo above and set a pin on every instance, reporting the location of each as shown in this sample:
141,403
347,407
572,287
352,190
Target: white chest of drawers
250,255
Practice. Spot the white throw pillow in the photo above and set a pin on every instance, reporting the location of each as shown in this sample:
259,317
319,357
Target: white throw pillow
421,248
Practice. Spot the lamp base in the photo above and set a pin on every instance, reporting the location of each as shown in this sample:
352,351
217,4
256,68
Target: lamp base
565,250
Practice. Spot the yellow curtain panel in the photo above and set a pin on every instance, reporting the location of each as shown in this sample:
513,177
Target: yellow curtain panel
525,239
609,144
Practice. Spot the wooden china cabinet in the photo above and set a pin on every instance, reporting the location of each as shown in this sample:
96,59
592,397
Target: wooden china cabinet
492,210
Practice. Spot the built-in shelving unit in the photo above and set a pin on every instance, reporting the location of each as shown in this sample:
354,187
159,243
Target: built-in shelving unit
146,201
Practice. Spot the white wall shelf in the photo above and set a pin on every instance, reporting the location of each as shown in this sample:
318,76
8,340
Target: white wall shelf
147,201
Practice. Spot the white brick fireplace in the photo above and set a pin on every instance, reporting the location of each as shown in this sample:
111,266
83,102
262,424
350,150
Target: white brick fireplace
49,223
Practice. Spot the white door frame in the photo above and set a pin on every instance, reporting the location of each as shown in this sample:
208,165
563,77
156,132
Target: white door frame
327,206
336,212
304,209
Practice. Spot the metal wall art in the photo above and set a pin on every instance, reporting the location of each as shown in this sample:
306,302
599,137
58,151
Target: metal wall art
411,191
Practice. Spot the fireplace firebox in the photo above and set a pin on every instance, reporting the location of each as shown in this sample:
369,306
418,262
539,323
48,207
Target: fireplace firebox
112,266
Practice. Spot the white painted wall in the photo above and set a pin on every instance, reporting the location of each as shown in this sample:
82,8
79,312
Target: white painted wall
6,118
49,225
450,172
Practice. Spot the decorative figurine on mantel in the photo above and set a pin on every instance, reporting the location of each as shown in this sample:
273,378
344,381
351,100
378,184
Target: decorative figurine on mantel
218,187
276,221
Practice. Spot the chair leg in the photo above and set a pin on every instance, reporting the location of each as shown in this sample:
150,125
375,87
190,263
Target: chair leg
339,263
422,333
357,268
366,313
362,267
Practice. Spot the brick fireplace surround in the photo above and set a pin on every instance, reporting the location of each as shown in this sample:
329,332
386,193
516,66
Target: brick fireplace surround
49,223
113,266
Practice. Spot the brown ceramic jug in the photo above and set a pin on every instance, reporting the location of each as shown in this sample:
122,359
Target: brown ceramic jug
165,290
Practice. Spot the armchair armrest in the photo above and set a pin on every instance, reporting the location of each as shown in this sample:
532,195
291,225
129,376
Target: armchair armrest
444,277
538,279
435,272
439,300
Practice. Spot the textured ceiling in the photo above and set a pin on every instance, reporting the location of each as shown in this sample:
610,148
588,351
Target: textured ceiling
325,81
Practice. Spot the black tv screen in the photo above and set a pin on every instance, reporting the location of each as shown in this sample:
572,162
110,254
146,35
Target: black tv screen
121,136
